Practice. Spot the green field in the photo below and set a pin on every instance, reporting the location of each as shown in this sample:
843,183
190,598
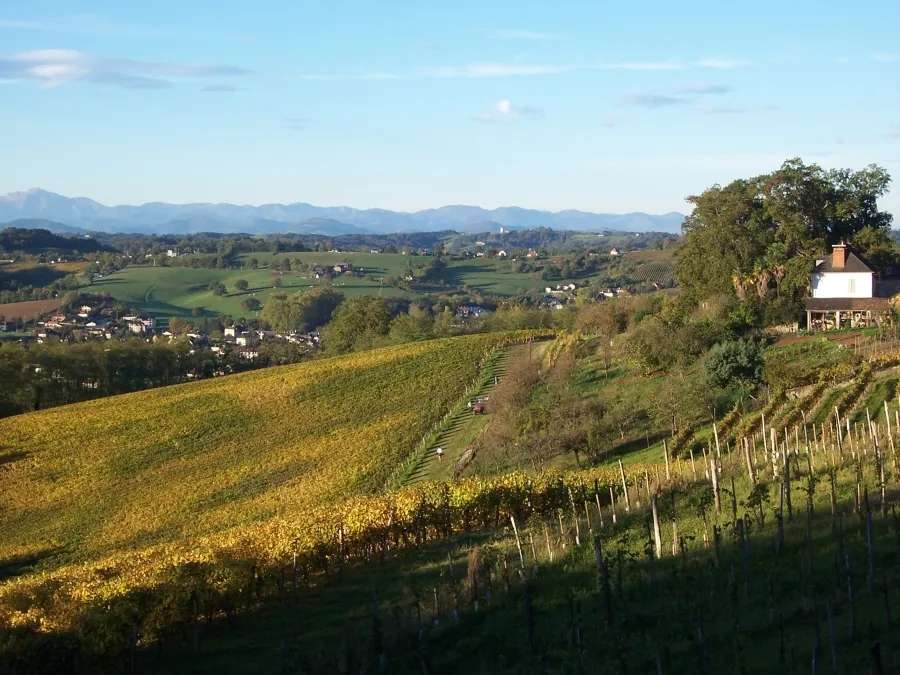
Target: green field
174,291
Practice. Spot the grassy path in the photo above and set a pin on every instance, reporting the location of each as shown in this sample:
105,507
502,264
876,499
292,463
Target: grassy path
465,426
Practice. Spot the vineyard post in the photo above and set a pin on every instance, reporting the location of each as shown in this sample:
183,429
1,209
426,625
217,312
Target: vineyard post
693,467
597,498
656,533
715,484
765,447
575,519
512,519
749,462
666,456
787,486
716,435
612,499
624,488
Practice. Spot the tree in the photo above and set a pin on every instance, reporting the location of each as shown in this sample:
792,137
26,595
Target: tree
251,305
253,263
359,323
735,362
198,311
241,285
276,282
773,226
285,265
218,288
177,325
301,311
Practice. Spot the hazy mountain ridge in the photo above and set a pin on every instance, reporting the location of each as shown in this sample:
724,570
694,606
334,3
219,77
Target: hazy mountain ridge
163,218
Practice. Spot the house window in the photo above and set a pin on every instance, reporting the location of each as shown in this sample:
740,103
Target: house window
852,285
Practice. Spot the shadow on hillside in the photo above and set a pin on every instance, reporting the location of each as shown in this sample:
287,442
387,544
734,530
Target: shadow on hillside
14,456
16,565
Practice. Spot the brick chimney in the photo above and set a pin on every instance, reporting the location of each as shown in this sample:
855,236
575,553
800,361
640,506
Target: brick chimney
839,256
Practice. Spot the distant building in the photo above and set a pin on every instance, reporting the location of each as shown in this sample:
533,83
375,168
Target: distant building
501,253
614,251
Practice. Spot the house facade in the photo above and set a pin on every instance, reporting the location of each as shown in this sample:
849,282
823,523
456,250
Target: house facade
845,292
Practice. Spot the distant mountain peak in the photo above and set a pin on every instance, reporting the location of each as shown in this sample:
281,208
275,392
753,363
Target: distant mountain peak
165,218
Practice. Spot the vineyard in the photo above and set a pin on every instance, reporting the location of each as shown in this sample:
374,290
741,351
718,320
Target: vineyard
654,272
85,480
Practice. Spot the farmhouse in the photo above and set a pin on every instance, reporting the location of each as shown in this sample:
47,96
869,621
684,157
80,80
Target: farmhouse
501,253
846,292
614,251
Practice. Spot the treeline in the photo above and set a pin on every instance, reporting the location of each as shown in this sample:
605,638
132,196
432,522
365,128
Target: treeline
37,376
38,241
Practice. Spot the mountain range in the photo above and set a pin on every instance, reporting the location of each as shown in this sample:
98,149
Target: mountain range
79,214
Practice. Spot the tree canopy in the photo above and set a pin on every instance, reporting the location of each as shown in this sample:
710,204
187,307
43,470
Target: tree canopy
300,311
764,233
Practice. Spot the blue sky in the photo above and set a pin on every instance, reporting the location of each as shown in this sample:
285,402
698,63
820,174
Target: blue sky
600,106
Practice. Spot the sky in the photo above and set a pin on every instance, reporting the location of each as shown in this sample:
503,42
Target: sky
601,106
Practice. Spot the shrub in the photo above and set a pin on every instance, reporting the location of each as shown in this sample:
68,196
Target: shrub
735,362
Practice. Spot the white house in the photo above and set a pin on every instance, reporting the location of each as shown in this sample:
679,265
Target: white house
844,292
843,274
614,251
501,254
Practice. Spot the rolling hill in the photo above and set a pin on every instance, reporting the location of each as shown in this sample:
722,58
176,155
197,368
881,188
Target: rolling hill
188,460
161,217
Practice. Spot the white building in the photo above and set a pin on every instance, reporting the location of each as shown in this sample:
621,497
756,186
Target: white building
844,292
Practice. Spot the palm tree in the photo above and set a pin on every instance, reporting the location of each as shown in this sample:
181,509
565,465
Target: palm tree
778,272
740,286
762,282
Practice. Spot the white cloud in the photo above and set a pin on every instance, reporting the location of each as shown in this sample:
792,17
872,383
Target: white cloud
56,67
886,58
721,63
508,34
504,111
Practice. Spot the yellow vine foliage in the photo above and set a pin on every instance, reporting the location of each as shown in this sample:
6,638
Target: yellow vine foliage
164,586
133,471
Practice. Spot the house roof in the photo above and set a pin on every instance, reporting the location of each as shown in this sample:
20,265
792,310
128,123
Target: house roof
853,263
846,304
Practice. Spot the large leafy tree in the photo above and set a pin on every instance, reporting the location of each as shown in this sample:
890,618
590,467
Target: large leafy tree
762,234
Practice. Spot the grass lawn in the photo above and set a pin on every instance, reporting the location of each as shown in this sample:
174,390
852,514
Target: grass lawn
174,291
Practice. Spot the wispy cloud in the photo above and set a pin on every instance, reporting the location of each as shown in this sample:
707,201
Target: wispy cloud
505,111
512,34
702,88
691,93
218,88
722,63
736,110
886,58
91,24
294,123
57,67
653,100
478,70
610,120
350,76
426,47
